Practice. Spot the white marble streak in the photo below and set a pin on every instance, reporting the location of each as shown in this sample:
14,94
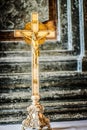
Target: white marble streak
69,125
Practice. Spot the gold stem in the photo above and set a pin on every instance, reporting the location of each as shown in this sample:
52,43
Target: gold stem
35,69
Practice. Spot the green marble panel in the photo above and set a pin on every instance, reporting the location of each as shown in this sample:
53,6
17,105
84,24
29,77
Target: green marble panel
14,14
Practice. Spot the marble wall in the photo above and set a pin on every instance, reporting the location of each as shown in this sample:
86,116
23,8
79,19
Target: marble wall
15,13
63,84
85,21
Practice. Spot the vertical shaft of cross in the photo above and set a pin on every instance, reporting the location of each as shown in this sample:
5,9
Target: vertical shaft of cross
35,57
35,68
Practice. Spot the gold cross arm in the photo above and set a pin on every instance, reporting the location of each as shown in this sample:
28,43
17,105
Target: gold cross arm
51,34
40,30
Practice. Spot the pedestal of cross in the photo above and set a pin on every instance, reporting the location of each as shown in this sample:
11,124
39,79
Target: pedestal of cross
35,33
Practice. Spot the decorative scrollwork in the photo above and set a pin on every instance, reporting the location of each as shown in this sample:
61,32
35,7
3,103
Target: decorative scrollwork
36,118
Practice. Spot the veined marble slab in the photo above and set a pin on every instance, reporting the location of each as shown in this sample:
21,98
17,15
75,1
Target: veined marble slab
70,125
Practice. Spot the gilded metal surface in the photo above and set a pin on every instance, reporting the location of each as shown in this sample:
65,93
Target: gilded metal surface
36,34
36,118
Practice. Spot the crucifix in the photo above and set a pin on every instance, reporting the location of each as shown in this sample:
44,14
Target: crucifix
35,34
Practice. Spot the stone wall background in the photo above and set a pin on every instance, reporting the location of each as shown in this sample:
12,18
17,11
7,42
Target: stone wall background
85,22
15,13
63,86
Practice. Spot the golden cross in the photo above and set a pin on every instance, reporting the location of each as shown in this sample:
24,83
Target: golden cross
35,33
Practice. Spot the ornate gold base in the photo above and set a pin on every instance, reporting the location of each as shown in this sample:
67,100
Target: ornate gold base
36,118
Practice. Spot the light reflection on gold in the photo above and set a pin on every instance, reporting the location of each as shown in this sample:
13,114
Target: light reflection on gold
35,33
